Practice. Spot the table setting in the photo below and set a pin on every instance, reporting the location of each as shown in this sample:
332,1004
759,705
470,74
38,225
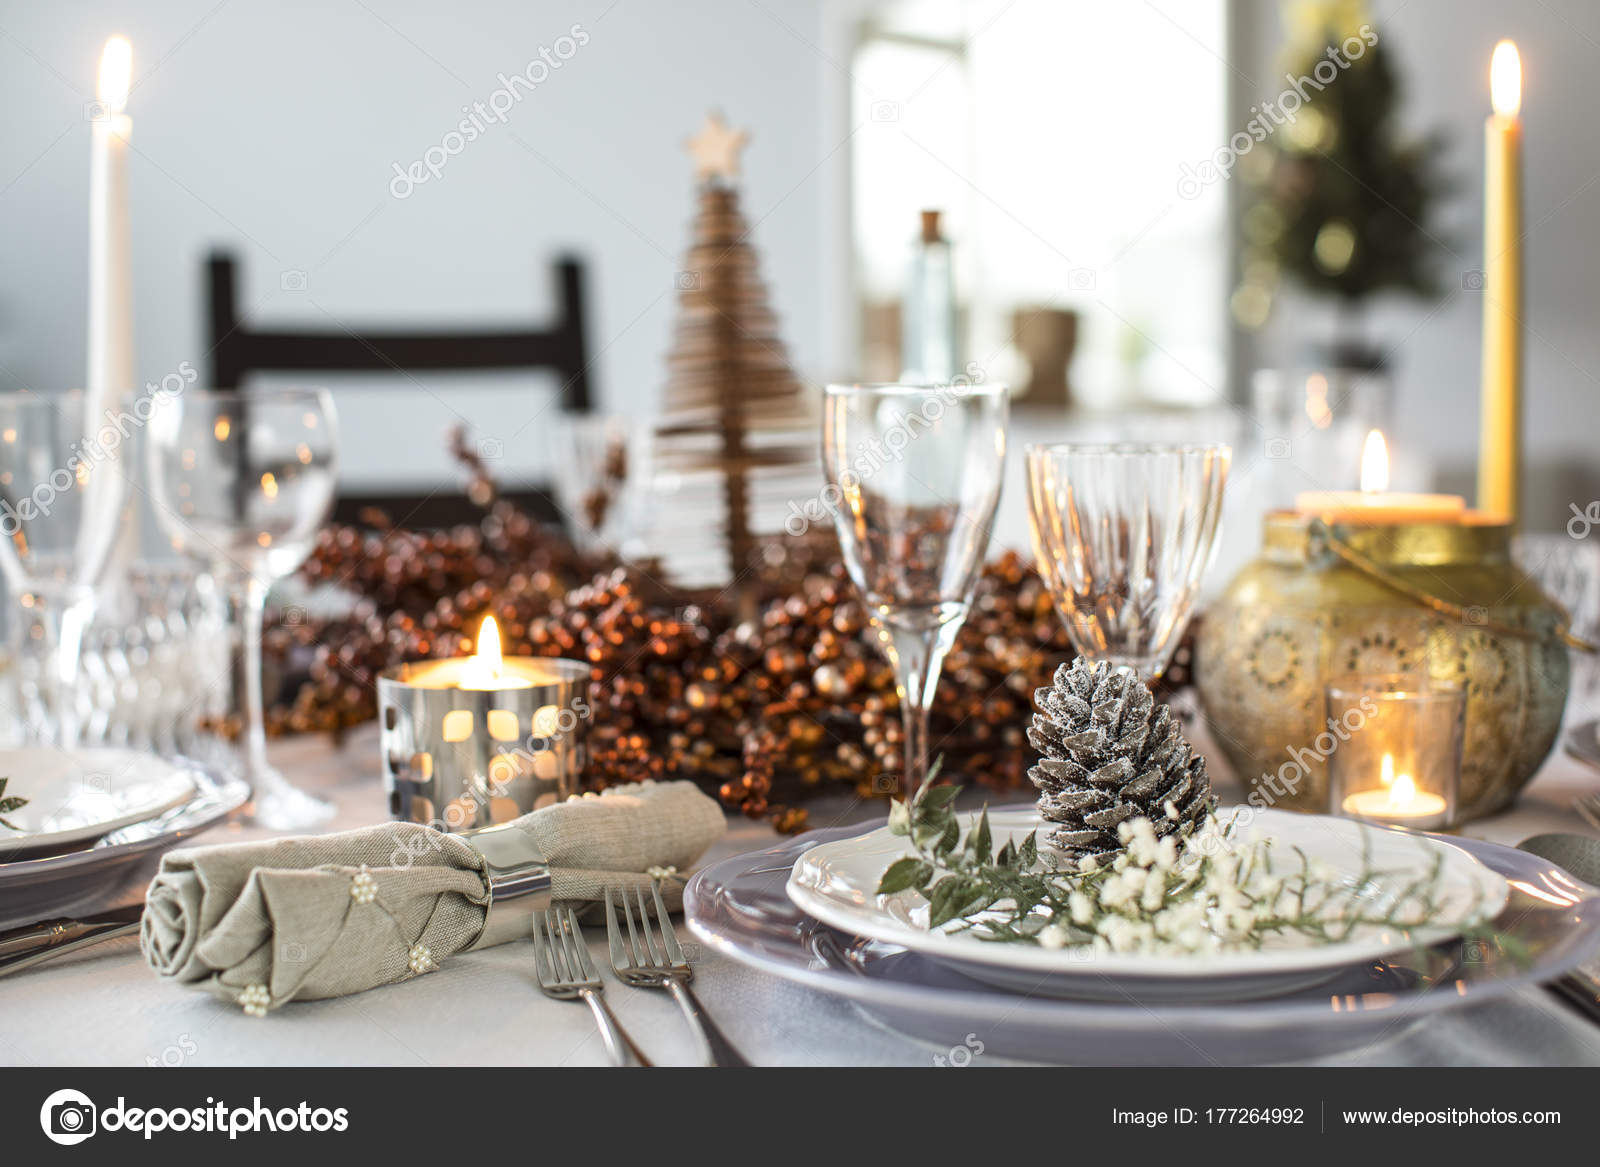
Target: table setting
758,745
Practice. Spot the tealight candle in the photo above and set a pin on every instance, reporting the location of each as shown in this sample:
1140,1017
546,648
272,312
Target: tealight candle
1396,800
1397,759
477,740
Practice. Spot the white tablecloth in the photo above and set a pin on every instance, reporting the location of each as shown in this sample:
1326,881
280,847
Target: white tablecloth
104,1007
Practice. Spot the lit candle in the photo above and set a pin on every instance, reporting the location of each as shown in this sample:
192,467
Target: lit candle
485,669
474,740
110,300
1375,503
1395,800
109,386
1500,437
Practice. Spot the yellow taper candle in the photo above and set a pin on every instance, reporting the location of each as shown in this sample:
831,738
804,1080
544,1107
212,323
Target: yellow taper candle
1500,437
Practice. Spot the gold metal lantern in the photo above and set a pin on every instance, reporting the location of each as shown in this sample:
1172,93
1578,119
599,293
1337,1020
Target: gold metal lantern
1441,599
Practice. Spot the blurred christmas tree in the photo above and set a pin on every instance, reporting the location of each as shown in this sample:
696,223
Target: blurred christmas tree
1342,198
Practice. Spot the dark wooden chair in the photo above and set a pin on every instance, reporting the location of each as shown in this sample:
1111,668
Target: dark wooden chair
238,350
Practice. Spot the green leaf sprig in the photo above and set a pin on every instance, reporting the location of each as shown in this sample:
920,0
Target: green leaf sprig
1210,899
7,805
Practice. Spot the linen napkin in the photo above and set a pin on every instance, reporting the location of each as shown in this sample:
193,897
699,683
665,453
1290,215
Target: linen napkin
322,916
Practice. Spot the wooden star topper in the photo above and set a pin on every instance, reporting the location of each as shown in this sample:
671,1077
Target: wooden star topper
715,149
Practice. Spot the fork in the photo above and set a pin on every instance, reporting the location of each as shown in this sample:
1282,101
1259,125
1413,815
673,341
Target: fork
654,961
561,962
1588,805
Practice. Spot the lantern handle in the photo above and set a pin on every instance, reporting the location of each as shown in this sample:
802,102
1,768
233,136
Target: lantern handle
1325,538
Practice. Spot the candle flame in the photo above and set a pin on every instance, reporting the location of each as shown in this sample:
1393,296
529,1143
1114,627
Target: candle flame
1403,793
116,73
488,656
1386,776
1505,80
1374,464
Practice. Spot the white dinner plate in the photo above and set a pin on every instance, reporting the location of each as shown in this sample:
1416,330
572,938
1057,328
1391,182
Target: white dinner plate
77,795
1550,924
836,883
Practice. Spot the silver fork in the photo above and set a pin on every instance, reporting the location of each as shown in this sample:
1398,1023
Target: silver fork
565,971
1588,805
654,961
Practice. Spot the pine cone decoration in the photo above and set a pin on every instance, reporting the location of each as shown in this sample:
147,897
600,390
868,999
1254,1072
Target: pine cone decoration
1110,754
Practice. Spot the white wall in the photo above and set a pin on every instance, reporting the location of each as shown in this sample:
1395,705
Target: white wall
1444,49
271,126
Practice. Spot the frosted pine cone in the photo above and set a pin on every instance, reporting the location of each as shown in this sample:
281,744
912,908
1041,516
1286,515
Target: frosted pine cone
1111,754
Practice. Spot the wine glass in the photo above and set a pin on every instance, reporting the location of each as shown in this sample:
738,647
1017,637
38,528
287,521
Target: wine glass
243,479
1122,535
914,475
61,493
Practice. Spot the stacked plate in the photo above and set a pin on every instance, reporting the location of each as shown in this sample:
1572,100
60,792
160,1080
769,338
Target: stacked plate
807,911
87,815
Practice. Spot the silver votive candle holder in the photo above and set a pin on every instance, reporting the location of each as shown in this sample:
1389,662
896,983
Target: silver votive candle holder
1397,756
474,741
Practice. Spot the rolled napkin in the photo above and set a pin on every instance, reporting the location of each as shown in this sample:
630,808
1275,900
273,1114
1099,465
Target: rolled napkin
263,924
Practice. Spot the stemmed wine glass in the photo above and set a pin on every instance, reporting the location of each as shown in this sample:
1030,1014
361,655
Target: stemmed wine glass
1122,535
61,499
243,479
914,475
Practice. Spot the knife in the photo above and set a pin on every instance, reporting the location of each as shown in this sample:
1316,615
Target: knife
1580,855
33,944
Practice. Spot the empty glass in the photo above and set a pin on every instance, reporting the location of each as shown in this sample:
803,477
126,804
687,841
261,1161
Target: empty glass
150,679
914,475
61,492
1122,535
243,479
596,460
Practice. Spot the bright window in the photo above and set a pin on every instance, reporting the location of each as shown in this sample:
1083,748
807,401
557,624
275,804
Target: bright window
1051,134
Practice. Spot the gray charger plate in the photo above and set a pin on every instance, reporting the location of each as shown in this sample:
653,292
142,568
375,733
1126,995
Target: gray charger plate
739,906
42,886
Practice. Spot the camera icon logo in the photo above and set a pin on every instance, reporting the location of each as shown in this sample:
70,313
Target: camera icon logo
1082,279
491,448
687,281
97,111
886,783
1473,280
1475,615
886,111
1277,448
97,783
292,280
68,1117
1474,951
291,953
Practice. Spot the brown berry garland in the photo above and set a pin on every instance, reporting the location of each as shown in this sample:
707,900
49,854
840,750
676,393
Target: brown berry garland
764,707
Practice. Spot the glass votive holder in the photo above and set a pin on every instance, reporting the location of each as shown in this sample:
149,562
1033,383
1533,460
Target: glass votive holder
1397,761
